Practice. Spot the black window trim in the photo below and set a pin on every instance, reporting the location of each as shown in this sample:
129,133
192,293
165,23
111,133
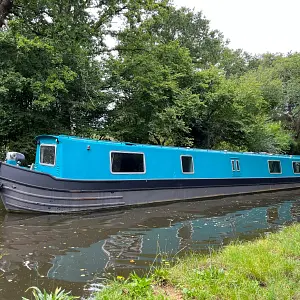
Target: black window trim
182,165
130,152
295,161
235,165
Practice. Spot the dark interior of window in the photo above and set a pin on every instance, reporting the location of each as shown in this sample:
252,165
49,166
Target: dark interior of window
296,167
274,166
187,164
237,165
232,165
127,162
47,155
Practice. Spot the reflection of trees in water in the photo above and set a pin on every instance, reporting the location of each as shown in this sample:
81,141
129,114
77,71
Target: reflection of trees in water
124,246
273,215
31,240
185,235
5,265
295,211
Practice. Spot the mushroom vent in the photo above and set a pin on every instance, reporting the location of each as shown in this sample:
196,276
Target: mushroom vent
16,156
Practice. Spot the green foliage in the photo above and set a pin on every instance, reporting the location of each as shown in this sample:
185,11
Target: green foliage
169,79
138,286
52,69
237,62
278,76
32,75
191,30
159,89
160,275
151,94
58,294
135,287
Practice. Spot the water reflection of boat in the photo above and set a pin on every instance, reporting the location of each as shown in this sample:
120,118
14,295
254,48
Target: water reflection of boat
75,248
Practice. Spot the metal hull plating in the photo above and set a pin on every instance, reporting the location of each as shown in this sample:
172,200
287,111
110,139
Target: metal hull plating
24,190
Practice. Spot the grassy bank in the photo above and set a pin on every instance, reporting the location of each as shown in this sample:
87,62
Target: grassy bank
268,268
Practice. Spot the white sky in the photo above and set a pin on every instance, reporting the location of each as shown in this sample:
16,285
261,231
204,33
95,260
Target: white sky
256,26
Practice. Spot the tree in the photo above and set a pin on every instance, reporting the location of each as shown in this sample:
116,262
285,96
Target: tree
288,109
279,79
31,78
190,29
261,132
154,75
153,99
237,62
51,73
169,79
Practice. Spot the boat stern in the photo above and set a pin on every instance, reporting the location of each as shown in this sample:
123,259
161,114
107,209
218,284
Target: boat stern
13,159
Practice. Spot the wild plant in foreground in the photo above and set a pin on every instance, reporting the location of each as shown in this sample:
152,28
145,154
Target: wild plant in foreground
58,294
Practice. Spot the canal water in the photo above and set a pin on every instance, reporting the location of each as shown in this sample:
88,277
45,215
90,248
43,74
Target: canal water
77,252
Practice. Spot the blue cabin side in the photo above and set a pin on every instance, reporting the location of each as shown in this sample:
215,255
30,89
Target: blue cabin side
48,167
85,159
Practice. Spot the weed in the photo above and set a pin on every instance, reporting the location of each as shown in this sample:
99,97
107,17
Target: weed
160,276
58,294
138,286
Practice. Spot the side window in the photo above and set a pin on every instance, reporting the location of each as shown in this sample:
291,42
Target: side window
127,162
235,165
274,166
232,165
296,167
47,155
187,164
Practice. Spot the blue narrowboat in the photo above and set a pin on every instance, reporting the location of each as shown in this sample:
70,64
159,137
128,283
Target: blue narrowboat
72,174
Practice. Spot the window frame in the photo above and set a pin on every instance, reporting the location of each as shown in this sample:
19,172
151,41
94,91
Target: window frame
126,152
296,161
47,145
184,155
232,161
237,165
269,160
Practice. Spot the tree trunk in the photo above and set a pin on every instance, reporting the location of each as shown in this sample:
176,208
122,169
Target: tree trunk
5,8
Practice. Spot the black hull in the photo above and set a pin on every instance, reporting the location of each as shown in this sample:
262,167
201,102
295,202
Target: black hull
24,190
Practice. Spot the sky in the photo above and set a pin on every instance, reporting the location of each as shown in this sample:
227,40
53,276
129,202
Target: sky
256,26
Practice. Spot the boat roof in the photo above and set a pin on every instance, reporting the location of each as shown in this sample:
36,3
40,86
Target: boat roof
108,142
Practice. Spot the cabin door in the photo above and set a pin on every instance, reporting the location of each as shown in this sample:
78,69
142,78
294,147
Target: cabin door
235,167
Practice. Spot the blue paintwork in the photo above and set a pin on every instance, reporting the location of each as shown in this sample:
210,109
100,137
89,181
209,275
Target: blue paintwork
12,162
75,161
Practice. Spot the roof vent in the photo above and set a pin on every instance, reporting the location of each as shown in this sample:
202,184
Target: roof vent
16,156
